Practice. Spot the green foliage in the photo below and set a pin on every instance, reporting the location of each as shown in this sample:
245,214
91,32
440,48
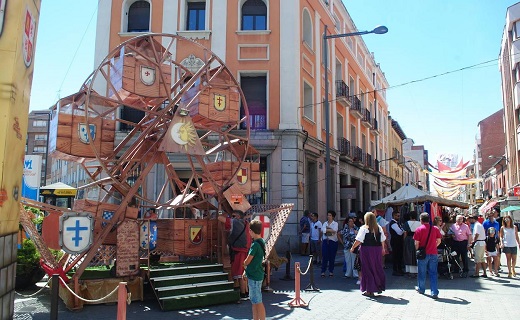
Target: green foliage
28,258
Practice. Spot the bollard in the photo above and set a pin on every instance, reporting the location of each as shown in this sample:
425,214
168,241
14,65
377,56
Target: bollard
287,276
311,286
121,301
297,301
55,285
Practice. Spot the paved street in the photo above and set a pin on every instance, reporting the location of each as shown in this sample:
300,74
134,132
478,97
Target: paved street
339,298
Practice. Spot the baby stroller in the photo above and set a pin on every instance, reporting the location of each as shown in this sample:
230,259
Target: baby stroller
447,261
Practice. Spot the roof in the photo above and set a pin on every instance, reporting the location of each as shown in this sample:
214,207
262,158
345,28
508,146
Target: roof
409,193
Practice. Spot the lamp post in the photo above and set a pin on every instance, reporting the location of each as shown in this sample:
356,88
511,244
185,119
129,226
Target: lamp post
376,30
379,177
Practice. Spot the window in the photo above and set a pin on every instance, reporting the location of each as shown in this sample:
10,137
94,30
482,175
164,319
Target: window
516,30
307,28
353,141
255,91
308,105
131,115
39,123
40,137
254,15
339,125
196,16
339,70
39,149
139,17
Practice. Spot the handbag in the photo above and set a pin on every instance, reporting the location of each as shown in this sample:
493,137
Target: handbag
421,252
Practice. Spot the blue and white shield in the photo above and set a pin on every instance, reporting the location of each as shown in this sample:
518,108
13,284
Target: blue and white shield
83,133
76,232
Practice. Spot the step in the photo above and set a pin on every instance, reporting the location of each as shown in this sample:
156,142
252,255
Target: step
185,269
183,290
176,280
199,300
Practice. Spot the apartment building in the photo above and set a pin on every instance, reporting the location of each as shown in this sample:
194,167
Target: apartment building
416,162
36,144
274,49
509,64
490,148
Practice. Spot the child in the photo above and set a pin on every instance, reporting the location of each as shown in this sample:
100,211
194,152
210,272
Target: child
492,252
254,270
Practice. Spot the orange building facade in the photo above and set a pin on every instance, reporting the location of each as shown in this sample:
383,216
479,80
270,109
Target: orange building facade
274,49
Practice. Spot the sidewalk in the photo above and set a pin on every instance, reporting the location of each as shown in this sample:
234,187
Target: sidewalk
338,298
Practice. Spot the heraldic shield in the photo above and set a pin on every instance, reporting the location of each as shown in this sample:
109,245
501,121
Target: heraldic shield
147,75
195,234
83,134
76,232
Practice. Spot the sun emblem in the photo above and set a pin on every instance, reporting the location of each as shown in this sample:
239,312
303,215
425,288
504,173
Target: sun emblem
184,133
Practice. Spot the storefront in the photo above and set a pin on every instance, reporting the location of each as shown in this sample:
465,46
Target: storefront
58,194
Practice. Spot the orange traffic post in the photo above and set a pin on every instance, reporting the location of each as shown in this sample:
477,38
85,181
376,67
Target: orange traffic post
297,301
121,301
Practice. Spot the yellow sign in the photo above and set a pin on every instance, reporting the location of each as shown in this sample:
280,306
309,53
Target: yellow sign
65,192
479,201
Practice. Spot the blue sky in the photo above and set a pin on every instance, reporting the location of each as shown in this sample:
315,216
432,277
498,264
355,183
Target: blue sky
425,38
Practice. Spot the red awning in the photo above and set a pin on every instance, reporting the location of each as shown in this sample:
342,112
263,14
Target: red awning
488,206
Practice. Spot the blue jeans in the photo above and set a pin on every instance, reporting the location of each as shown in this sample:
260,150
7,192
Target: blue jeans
429,263
328,251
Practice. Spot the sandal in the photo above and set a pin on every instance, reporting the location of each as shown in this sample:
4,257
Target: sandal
368,294
323,275
331,275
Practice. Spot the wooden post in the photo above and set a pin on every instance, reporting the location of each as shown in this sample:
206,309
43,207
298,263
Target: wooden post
121,301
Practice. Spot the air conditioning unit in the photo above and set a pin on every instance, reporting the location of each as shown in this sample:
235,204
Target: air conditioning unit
500,192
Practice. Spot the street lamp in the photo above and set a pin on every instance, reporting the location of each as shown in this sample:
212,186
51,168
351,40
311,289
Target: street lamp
376,30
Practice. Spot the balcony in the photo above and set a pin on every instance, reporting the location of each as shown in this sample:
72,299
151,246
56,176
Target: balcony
357,154
374,129
344,147
369,162
366,119
342,93
355,108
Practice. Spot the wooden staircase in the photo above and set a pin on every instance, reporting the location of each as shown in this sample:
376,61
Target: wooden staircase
191,286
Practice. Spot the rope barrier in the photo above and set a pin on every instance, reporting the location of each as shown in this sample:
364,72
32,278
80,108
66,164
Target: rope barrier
86,300
32,295
308,267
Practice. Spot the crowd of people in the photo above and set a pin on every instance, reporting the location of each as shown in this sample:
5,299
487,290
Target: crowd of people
414,242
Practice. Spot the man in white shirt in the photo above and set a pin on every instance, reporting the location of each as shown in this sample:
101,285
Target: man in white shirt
479,245
316,236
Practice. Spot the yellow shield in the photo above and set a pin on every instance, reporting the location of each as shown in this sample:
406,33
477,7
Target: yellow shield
242,175
219,101
195,234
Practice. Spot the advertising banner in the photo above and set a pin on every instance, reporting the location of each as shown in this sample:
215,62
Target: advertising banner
32,172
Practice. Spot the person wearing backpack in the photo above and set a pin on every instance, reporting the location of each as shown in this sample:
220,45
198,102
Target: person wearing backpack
254,270
238,242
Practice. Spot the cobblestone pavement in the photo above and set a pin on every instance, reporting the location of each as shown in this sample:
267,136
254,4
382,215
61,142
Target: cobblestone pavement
339,298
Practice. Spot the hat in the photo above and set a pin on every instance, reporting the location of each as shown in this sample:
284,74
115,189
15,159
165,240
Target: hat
474,216
381,221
